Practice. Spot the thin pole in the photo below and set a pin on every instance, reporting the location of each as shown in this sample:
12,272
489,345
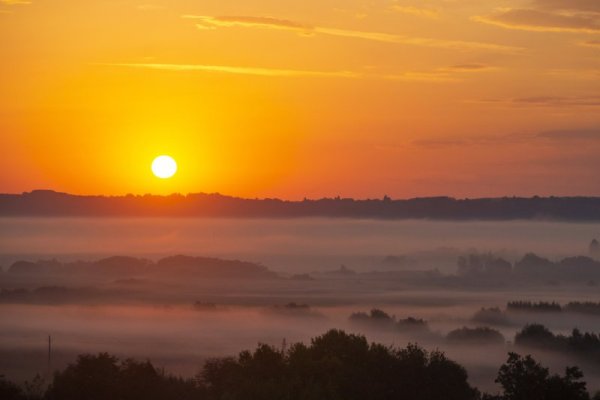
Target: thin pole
49,354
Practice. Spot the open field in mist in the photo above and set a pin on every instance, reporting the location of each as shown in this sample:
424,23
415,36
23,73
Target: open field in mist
324,270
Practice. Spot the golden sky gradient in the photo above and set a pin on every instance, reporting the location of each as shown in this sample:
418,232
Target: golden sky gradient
293,99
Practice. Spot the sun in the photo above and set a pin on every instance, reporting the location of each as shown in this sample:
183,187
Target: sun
164,167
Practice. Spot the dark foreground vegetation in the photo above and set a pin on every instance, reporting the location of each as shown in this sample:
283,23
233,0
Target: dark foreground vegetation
335,365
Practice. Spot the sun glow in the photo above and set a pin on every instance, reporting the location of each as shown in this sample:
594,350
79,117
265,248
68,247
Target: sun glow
164,167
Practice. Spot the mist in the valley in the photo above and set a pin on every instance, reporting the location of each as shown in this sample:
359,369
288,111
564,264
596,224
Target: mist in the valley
467,288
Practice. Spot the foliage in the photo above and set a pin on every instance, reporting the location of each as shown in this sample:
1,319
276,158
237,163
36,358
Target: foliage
479,335
522,378
102,376
586,345
337,366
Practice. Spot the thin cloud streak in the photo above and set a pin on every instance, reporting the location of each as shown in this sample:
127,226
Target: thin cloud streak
562,135
542,21
209,22
236,70
447,74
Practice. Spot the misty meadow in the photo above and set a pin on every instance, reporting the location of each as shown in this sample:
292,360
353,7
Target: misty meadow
212,288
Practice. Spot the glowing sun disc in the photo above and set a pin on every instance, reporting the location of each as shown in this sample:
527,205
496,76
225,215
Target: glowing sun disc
164,167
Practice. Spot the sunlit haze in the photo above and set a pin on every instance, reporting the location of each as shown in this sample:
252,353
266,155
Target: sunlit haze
271,98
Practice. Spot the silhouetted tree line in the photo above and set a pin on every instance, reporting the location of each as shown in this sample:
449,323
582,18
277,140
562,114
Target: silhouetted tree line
585,345
587,307
377,318
531,266
491,316
532,306
478,335
50,203
335,365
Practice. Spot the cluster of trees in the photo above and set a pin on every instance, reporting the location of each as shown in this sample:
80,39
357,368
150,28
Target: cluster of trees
531,267
585,345
491,316
498,317
522,378
479,335
377,318
585,307
542,306
335,365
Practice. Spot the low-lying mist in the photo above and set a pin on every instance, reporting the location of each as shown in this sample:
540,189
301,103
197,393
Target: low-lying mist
443,285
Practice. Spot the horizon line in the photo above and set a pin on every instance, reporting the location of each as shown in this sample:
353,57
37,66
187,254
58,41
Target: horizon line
337,197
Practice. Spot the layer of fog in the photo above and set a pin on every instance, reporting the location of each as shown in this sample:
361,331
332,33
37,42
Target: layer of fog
296,245
180,338
156,319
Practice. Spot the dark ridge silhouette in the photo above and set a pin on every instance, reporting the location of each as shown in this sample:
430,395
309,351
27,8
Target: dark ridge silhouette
335,365
48,203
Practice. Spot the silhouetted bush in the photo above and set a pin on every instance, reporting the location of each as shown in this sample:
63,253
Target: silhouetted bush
337,366
585,345
522,378
376,318
102,377
10,391
379,319
480,335
491,316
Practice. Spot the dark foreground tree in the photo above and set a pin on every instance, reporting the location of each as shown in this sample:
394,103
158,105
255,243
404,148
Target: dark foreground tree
522,378
337,366
334,366
102,377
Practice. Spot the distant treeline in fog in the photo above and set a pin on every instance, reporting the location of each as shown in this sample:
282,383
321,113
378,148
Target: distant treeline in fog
530,266
119,266
50,203
335,365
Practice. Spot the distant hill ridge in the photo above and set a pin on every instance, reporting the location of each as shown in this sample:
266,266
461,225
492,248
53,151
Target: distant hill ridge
123,266
47,203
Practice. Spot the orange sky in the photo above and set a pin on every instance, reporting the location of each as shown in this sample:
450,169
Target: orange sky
290,99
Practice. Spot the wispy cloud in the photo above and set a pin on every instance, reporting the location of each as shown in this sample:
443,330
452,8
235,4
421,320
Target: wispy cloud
236,70
470,68
446,74
490,140
571,134
576,5
562,135
546,101
590,43
210,22
558,101
542,21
